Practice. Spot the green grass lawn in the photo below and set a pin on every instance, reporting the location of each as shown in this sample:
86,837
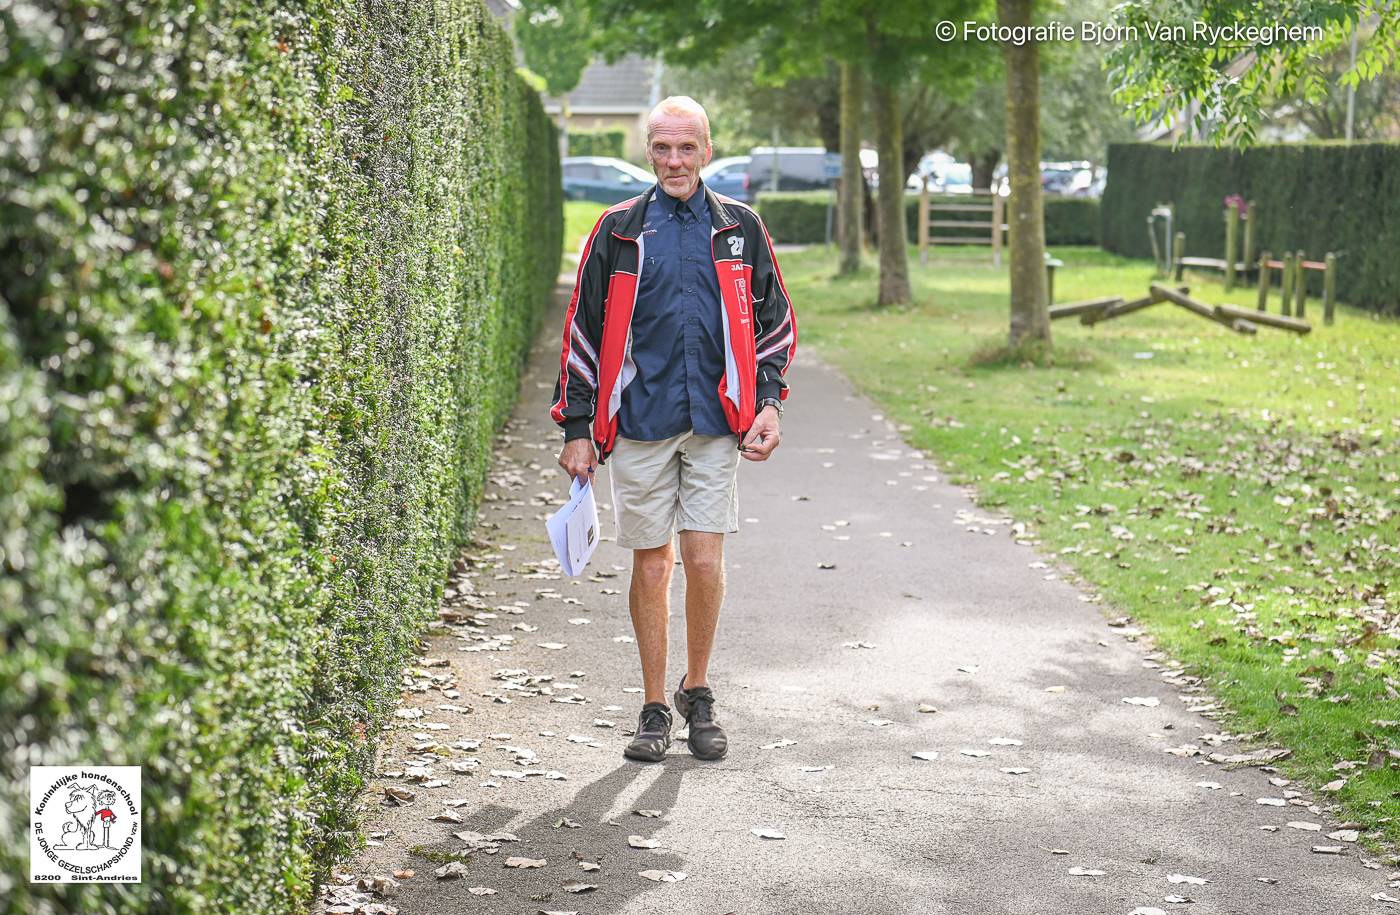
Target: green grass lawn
1237,496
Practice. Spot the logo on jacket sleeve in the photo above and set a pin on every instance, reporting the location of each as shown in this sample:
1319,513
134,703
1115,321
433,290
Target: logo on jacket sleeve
736,246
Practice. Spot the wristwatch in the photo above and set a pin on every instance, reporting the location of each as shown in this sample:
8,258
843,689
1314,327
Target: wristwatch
772,401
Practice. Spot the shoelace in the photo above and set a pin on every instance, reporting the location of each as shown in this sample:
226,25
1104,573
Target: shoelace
701,707
653,721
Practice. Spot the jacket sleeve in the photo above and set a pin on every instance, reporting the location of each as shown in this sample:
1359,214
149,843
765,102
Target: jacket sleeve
576,388
775,324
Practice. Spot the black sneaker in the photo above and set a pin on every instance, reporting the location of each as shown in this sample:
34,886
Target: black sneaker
653,735
706,739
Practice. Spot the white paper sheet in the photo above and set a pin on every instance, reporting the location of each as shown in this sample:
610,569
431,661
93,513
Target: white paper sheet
573,529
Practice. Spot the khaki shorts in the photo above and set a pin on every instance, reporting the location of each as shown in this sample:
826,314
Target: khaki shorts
687,482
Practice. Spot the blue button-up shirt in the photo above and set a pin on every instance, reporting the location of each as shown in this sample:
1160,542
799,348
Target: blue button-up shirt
677,335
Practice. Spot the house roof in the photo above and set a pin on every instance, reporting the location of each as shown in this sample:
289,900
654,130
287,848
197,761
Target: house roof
629,86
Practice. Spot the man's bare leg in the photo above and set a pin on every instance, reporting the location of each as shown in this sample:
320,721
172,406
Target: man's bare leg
702,554
649,599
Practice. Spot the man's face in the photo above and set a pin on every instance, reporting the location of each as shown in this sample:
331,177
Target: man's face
677,151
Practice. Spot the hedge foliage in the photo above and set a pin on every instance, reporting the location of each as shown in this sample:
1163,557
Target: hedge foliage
598,143
1314,197
799,217
269,272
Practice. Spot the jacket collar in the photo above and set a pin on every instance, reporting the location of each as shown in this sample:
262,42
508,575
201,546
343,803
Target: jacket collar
630,226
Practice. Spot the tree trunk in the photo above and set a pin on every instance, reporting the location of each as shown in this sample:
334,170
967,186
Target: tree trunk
850,207
894,258
1030,316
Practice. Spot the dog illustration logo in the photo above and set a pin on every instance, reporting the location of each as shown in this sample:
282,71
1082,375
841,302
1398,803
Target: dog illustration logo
85,824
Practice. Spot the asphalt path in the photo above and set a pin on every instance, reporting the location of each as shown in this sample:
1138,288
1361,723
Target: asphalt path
861,586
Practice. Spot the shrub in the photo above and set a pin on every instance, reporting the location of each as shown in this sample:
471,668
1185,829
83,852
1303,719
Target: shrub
1314,197
799,217
597,143
268,276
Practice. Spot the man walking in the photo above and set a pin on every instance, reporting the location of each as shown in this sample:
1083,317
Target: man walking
675,345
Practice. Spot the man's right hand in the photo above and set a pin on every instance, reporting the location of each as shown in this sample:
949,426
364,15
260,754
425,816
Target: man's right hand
579,459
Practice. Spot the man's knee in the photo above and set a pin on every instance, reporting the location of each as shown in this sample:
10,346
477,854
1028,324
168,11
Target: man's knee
702,553
652,568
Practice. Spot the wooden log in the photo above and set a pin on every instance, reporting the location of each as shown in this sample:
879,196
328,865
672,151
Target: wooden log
1329,288
1213,263
1286,298
1091,318
1300,286
1190,304
1232,235
1250,221
1264,281
1078,308
1234,312
1179,249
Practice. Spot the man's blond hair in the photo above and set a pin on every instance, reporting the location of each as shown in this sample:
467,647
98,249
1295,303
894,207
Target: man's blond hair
682,105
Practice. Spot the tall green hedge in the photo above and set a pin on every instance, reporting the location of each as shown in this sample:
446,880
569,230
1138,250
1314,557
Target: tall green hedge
799,217
598,143
268,274
1317,197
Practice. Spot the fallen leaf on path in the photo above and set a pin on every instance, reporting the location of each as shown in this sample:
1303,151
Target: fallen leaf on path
969,668
641,842
451,870
776,744
860,644
1015,770
1085,872
663,876
481,891
524,862
448,816
764,832
879,722
1271,801
1004,742
1327,849
1187,878
1345,835
813,768
1147,910
976,753
926,754
576,887
590,865
647,813
567,823
552,646
397,796
926,708
1303,824
1054,689
826,565
1148,701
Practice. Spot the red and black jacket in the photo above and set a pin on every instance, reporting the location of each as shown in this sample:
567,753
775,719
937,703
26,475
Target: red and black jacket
760,329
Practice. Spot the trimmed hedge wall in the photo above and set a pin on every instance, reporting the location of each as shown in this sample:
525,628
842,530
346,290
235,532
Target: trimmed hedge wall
799,217
1317,197
269,273
597,143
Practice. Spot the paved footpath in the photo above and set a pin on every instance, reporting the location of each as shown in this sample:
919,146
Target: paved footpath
863,591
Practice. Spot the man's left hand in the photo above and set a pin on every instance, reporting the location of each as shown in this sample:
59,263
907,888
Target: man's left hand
762,437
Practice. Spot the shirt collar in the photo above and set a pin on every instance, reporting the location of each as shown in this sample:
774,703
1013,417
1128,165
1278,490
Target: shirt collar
696,203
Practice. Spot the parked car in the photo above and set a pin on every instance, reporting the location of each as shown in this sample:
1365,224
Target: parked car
729,176
603,179
1066,178
800,168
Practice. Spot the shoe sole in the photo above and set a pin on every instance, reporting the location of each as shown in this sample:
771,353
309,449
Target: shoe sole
640,757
